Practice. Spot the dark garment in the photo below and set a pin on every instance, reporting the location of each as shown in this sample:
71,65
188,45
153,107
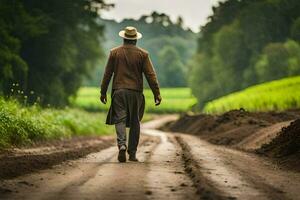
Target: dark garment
121,134
127,107
134,136
127,64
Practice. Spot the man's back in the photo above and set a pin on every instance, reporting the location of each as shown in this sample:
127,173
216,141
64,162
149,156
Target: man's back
128,71
127,63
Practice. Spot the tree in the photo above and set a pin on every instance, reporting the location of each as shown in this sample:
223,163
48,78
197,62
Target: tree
244,43
262,22
16,26
55,45
230,57
295,30
223,14
201,78
156,37
278,60
271,63
179,21
171,74
293,49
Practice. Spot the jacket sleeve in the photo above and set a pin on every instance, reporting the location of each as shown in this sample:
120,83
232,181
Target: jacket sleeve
151,76
109,69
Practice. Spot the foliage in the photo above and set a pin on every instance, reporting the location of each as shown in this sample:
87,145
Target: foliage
201,79
21,125
46,46
16,26
159,33
172,67
278,60
295,29
275,95
245,42
175,100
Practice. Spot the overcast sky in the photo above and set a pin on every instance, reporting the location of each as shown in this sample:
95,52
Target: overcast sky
193,12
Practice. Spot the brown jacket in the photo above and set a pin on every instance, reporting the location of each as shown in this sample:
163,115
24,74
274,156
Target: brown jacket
128,63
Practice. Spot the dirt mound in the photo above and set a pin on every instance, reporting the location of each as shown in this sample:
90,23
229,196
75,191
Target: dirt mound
231,127
192,123
286,146
259,132
261,137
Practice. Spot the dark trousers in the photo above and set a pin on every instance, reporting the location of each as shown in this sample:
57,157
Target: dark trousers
126,110
134,136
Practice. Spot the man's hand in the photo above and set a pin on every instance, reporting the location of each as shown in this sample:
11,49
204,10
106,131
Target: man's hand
157,100
103,98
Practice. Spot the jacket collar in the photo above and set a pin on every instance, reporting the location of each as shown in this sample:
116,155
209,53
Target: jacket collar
129,46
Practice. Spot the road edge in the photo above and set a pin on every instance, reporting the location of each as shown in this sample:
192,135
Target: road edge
14,166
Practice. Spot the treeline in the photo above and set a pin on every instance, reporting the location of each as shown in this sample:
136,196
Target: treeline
246,42
170,45
47,47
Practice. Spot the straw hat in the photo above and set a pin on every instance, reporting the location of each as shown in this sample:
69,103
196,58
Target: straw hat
130,33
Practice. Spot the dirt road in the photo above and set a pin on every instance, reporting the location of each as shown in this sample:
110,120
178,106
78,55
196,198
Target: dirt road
173,166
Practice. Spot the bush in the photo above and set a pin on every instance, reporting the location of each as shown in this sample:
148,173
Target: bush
21,125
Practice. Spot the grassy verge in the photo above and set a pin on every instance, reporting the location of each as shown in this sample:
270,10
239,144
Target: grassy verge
23,125
275,95
175,100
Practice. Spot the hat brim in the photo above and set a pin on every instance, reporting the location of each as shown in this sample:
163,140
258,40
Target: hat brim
138,36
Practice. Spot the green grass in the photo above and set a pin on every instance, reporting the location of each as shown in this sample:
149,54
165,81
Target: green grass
21,125
275,95
175,100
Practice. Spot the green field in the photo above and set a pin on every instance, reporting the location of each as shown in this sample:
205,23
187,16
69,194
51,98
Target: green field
21,125
275,95
175,100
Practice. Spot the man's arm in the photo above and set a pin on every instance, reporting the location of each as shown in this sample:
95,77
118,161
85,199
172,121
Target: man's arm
152,79
109,69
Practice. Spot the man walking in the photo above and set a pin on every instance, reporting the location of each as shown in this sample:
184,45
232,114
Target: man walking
127,64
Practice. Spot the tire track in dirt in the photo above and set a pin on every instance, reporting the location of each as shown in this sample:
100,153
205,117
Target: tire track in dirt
234,174
205,188
166,178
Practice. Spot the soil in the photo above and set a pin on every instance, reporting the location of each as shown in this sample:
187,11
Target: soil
273,134
286,146
234,174
158,175
171,166
20,161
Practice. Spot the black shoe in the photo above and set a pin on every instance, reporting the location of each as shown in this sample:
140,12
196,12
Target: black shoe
122,154
133,158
